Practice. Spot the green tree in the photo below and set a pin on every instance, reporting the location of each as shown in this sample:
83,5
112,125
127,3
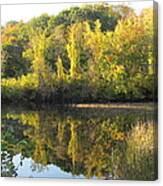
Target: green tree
14,41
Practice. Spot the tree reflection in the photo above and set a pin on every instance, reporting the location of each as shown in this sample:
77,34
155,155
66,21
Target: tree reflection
110,144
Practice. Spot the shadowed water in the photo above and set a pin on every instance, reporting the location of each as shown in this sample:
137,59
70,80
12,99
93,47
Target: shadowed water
69,142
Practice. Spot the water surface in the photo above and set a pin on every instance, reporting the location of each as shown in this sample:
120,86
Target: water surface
115,142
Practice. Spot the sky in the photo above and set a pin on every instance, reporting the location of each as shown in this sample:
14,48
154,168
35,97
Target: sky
25,12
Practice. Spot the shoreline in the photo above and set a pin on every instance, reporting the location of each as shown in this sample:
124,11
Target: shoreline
112,105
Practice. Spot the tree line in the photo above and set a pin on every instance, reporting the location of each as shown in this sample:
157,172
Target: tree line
92,53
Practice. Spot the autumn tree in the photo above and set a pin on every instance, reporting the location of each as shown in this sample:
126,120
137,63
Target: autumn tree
131,46
74,49
37,55
61,75
95,42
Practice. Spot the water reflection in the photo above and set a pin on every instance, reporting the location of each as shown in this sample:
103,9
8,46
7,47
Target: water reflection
92,143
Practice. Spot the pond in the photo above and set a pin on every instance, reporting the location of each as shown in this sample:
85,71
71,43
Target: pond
96,142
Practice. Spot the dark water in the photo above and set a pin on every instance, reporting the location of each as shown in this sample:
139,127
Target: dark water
105,143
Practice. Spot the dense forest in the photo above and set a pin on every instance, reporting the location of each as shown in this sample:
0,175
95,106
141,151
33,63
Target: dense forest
92,53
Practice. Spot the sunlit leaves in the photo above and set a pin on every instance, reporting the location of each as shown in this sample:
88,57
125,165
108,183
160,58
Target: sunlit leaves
74,49
104,65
